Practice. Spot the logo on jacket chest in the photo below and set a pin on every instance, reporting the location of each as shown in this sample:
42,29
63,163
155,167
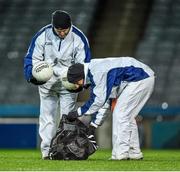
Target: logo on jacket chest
48,43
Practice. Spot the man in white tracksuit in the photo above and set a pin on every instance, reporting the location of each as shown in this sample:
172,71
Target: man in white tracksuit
61,44
135,82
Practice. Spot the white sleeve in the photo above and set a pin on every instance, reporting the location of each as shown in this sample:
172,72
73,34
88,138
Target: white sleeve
82,50
38,53
34,54
101,115
98,95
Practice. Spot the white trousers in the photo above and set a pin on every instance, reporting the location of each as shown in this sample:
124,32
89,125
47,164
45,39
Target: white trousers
52,105
125,136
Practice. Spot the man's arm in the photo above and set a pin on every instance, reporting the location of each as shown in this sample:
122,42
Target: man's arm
34,54
99,117
98,94
97,98
82,49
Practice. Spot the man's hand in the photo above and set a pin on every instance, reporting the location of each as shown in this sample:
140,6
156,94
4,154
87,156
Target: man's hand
91,130
76,91
72,116
36,82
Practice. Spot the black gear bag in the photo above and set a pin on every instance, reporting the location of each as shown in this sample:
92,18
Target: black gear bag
71,141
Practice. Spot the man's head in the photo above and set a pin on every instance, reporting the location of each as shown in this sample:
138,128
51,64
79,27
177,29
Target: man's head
76,75
61,22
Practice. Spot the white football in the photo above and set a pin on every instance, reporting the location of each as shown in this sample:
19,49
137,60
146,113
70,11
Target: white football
42,71
66,83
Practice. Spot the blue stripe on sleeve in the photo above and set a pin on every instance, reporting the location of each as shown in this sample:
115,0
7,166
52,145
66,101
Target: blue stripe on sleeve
28,57
86,45
114,78
86,106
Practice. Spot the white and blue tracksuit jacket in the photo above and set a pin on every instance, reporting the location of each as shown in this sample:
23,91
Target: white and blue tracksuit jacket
105,74
60,53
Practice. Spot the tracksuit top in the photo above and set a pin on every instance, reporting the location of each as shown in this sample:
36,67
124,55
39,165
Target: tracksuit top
104,74
60,53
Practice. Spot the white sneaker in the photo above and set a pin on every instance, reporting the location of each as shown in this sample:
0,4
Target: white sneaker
136,156
120,157
46,158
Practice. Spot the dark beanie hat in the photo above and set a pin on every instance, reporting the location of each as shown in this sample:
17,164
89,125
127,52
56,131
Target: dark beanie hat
75,73
61,19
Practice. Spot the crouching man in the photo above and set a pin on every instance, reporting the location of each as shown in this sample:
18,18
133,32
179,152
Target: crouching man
104,75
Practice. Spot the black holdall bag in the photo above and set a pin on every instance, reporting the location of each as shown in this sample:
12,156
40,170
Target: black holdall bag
71,141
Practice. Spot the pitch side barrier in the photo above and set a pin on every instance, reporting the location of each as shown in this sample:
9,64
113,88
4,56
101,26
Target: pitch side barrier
20,124
24,111
32,111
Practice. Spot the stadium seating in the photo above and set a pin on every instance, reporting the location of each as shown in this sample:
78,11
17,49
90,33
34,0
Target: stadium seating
160,49
118,26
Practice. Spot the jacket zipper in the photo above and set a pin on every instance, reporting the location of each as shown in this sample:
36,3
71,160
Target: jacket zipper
59,45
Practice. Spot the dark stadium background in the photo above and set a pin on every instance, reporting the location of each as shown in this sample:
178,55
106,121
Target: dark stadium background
148,30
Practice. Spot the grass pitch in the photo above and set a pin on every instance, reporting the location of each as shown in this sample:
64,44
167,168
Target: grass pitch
30,160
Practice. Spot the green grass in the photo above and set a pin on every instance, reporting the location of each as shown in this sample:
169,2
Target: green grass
30,160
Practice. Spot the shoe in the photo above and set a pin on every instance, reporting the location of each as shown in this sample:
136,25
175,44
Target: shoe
120,157
46,158
136,156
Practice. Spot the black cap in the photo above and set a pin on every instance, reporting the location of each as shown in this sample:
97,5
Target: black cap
61,19
75,73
